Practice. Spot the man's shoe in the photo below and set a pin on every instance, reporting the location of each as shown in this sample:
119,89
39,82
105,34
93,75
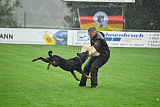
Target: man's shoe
80,85
93,86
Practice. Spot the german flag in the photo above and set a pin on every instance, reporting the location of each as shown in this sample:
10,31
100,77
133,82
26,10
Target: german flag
101,18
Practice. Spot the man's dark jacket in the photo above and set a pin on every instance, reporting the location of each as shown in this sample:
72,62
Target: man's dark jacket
100,44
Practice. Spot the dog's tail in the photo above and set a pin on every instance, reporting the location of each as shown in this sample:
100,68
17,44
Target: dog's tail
49,53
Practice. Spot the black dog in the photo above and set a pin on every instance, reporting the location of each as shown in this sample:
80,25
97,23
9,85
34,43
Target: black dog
68,65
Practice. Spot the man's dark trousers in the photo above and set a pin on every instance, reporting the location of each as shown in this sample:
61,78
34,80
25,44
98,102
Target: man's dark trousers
92,66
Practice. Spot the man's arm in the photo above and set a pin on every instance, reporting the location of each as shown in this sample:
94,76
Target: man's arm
98,45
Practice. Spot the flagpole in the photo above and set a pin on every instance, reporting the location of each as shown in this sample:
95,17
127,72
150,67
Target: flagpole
79,16
123,14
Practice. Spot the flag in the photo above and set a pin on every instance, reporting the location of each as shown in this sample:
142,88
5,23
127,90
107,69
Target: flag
101,17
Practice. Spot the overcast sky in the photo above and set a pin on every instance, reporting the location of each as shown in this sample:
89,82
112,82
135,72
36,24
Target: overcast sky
39,13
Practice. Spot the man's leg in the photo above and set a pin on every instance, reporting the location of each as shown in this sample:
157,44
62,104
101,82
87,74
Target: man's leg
99,62
86,71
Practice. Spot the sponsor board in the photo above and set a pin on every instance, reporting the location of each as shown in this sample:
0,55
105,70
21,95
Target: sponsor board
153,40
77,37
33,36
120,39
125,39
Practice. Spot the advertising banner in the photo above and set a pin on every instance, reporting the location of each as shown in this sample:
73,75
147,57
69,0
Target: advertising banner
119,39
153,40
101,18
33,36
78,37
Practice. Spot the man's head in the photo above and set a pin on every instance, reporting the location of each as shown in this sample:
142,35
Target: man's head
92,32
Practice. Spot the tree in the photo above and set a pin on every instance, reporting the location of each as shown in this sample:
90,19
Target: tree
72,20
143,15
6,13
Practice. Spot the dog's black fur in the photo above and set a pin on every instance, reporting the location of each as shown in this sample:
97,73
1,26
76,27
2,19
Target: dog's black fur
68,65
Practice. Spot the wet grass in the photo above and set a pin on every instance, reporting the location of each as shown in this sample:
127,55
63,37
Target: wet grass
131,78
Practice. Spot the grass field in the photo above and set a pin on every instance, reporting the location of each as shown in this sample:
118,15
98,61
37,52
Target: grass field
131,78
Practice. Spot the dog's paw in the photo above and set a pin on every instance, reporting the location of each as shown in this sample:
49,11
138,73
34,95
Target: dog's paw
33,60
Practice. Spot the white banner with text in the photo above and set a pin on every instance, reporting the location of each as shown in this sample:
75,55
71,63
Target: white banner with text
77,37
33,36
118,39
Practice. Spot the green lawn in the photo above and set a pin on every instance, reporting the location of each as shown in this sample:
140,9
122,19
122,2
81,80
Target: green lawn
131,78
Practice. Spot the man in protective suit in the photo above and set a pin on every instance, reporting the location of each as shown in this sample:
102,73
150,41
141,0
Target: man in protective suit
96,61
